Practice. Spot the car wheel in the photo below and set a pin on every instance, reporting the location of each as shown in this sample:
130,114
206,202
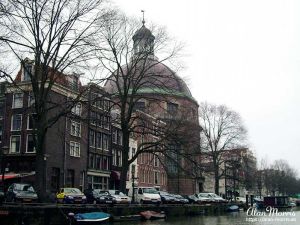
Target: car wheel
142,202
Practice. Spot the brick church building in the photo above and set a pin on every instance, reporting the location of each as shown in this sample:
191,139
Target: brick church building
165,96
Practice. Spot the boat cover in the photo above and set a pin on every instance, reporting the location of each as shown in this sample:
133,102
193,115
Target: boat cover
92,216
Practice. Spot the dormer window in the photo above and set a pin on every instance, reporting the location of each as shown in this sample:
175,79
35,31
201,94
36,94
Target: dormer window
27,72
74,81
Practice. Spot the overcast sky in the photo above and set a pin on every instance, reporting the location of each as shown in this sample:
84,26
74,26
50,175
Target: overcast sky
245,54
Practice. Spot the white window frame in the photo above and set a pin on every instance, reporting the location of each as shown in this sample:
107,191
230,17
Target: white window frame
105,142
119,157
107,162
77,108
28,118
92,142
73,152
115,135
96,140
114,157
120,137
156,161
133,151
10,147
106,122
157,174
76,125
30,99
12,122
13,102
149,176
34,150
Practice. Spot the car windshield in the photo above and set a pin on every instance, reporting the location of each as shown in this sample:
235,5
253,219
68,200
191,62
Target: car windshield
150,191
72,191
164,193
214,195
24,187
96,191
116,192
203,195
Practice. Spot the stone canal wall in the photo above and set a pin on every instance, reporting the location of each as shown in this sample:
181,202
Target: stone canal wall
56,214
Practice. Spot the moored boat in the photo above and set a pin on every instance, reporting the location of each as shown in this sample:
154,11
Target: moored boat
152,215
233,208
90,218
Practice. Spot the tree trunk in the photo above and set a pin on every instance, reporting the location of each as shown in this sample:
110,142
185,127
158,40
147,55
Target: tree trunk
125,164
40,167
40,177
216,181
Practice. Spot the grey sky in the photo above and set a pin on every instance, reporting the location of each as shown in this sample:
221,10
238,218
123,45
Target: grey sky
245,54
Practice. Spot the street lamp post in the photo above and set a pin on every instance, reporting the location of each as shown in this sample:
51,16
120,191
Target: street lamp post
133,179
3,164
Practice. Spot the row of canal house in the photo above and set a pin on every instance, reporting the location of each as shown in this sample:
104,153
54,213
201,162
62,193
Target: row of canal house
83,148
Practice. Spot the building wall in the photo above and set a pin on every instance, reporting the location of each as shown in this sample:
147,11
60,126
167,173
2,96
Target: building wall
233,179
99,139
183,181
132,179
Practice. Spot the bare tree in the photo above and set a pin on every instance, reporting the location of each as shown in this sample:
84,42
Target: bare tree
57,36
222,130
284,177
136,77
249,170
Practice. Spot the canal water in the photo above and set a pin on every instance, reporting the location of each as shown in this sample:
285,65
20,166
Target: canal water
236,218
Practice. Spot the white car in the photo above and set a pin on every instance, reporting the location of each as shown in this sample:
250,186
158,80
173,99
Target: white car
119,197
203,198
147,195
240,199
213,197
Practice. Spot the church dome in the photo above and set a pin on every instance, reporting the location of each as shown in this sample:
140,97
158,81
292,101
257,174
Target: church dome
157,79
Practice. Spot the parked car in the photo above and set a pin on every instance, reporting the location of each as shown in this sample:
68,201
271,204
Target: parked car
166,197
180,199
98,196
70,195
204,198
193,199
147,195
212,197
19,192
1,196
119,197
240,200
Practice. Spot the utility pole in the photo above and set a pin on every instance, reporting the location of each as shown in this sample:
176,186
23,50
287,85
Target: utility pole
133,178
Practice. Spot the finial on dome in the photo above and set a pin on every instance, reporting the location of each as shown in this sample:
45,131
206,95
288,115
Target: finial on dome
143,21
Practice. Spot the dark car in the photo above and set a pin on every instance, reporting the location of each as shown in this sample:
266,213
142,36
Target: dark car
193,199
18,192
1,196
98,196
180,199
166,197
